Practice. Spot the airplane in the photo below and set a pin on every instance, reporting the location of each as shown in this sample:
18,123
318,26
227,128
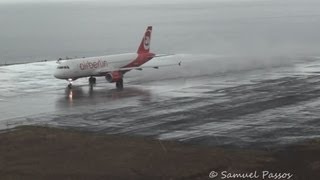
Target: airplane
112,67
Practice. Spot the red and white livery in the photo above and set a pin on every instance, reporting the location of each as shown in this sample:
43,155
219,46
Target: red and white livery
112,67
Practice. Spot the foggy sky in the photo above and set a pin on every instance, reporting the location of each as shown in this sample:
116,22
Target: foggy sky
261,28
113,1
121,1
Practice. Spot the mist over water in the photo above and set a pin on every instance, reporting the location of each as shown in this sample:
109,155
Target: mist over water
249,74
265,29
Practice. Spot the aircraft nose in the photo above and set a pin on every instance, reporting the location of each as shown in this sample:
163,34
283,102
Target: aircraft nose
57,74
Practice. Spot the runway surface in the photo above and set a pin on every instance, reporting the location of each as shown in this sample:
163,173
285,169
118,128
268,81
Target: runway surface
221,105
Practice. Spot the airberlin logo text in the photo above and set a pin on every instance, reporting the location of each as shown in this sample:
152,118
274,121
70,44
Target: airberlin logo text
93,65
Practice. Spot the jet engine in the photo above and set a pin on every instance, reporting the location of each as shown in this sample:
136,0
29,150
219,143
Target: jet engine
114,76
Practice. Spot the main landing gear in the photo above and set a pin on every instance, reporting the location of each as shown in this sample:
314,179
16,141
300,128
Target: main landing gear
119,84
92,81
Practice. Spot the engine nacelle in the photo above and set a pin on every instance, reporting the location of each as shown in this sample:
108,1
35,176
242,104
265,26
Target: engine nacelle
114,76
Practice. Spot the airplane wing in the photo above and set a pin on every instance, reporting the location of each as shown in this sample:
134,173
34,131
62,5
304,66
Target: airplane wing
140,68
146,67
163,55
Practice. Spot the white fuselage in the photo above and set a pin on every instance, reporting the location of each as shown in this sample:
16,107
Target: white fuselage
92,66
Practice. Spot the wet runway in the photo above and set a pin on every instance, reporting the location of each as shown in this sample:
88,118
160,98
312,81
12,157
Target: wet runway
245,107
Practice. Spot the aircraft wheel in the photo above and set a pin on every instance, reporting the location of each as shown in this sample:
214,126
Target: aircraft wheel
92,80
70,86
119,84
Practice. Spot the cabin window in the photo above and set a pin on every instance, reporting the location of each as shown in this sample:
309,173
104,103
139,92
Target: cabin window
63,67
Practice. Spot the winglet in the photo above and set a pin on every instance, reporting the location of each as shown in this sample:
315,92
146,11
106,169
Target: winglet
145,43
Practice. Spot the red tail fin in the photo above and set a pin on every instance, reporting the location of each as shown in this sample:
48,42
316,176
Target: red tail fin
145,43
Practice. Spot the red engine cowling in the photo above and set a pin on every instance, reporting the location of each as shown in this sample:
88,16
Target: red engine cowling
114,76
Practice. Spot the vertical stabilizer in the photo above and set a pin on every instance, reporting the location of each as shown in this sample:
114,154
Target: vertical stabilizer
145,43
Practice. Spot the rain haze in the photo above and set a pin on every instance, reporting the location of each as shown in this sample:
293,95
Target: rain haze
223,74
245,66
33,31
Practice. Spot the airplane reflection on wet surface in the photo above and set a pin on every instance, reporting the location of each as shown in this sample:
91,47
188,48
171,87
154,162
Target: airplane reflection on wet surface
91,95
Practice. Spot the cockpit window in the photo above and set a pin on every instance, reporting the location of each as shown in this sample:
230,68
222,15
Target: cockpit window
63,67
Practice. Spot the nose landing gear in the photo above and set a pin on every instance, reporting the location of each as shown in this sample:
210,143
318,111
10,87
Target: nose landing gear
70,83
